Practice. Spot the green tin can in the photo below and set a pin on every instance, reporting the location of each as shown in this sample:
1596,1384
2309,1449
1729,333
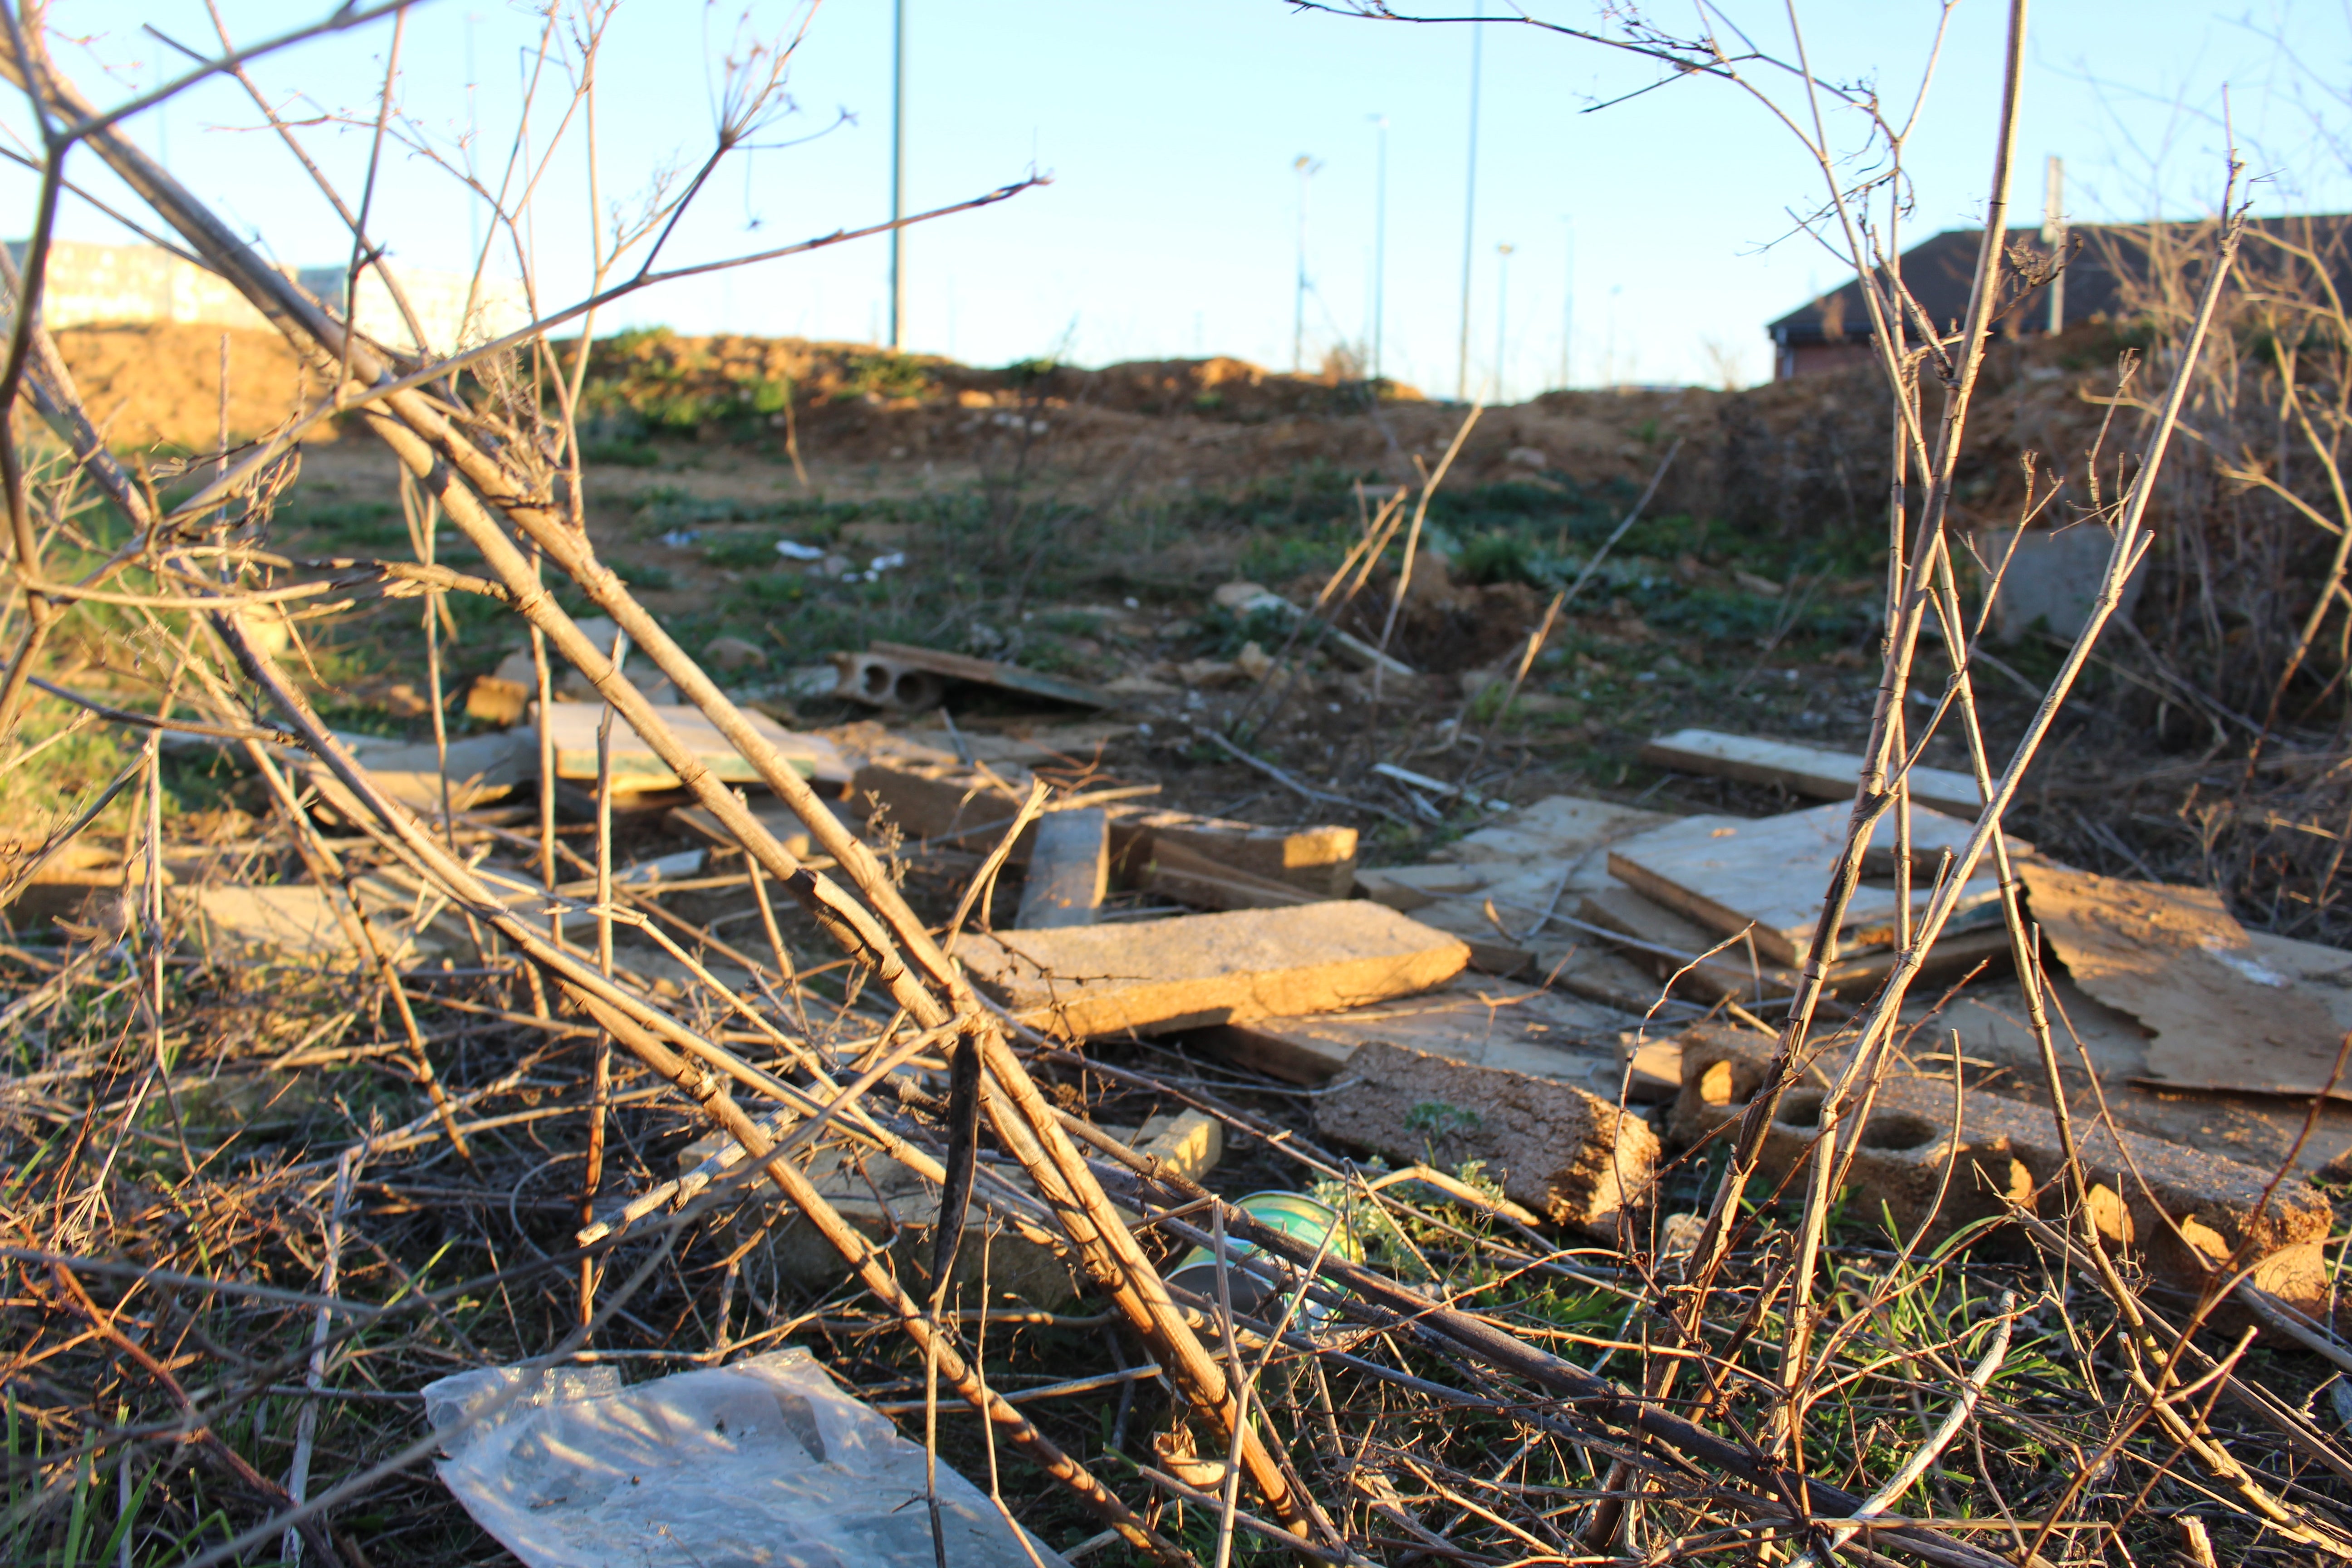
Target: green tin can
1304,1220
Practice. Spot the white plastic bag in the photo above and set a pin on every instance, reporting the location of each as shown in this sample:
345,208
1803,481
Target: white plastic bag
762,1462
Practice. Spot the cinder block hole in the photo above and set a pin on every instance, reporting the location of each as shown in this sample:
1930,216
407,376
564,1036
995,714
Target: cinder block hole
1890,1130
1800,1108
1896,1131
875,679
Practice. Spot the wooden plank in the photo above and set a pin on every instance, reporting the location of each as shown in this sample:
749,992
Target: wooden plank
969,808
1654,926
1732,873
573,727
990,672
1150,977
1321,860
1798,769
947,806
1177,872
1069,867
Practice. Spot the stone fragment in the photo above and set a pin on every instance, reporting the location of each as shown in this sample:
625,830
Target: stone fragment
733,653
1561,1151
1068,869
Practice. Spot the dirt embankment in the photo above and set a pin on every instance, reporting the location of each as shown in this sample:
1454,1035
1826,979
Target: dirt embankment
1787,456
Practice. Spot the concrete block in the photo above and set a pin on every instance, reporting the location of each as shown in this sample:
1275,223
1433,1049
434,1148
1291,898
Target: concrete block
1192,971
2051,578
1561,1151
2003,1151
1069,868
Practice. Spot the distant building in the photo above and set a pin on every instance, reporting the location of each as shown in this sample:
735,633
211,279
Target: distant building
439,299
2106,268
90,284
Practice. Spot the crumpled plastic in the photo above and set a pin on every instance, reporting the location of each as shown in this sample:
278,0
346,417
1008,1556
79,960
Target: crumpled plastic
761,1464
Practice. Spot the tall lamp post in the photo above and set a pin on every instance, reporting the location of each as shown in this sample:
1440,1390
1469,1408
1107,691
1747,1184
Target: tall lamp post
1305,166
1469,205
1568,310
1502,302
1379,243
897,174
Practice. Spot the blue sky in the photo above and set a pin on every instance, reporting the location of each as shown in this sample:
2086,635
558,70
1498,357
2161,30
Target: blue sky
1171,129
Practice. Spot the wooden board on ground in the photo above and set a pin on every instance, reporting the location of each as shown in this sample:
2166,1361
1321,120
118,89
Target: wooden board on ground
774,816
1798,769
481,769
1321,860
1188,972
572,726
1664,942
990,672
2220,1015
1527,867
1733,873
1176,872
1024,745
1473,1018
1069,868
969,808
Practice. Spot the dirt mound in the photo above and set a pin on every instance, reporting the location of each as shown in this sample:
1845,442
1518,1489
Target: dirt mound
156,385
1789,457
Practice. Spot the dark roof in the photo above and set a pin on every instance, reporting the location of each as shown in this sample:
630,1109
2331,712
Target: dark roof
1938,271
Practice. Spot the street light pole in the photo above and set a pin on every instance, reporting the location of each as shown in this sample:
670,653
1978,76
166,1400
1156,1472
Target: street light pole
1469,205
1306,167
1502,302
1379,243
1568,310
897,174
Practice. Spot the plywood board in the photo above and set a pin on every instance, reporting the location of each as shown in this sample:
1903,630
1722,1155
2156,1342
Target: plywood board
1798,769
1195,971
1669,942
2219,1013
1732,873
573,727
1177,872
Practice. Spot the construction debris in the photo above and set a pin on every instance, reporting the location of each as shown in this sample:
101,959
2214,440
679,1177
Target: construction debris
1733,875
1801,769
1502,887
1252,599
2184,1209
1069,869
949,805
1152,976
1472,1019
636,770
762,1460
479,769
1562,1150
2220,1012
909,680
2050,577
